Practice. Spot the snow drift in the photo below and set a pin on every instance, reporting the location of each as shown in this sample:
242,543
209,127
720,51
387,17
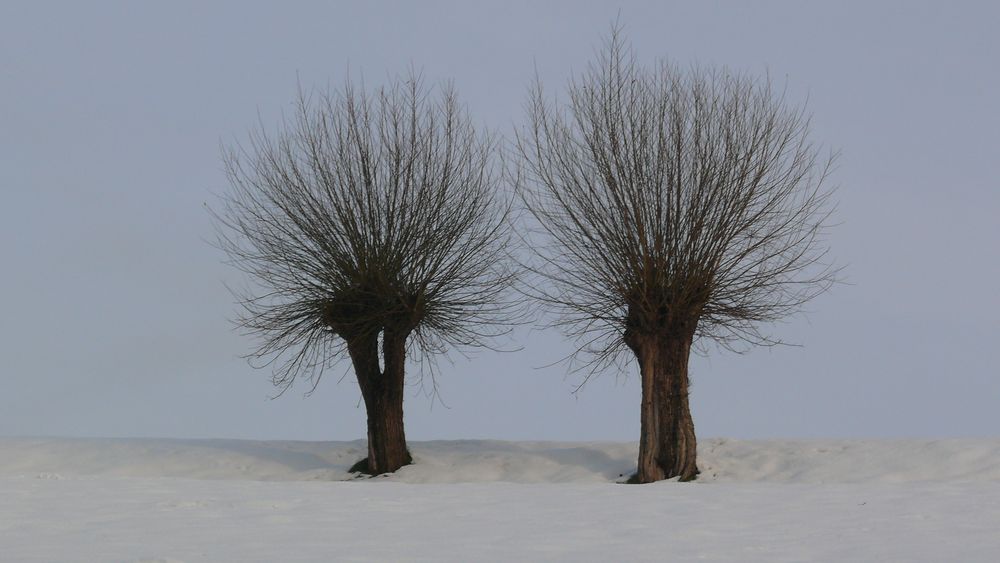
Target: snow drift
467,461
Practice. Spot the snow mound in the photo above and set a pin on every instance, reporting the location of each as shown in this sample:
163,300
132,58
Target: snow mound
467,461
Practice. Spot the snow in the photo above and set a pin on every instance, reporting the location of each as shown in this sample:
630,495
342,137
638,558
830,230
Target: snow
230,500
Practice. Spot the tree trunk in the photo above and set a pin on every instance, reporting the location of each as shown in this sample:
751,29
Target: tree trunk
667,445
382,390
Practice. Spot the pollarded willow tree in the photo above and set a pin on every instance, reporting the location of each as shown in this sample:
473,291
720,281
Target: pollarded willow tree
679,206
373,227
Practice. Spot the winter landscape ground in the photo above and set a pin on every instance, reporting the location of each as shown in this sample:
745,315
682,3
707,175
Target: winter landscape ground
230,500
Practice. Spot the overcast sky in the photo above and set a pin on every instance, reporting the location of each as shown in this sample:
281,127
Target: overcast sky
114,317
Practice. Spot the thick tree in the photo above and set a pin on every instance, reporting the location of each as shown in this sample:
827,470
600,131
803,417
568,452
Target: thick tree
373,228
676,206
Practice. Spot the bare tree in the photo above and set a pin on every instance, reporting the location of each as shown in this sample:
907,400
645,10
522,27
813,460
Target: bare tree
677,206
373,226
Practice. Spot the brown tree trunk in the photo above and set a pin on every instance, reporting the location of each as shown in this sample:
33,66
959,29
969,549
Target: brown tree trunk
667,445
382,390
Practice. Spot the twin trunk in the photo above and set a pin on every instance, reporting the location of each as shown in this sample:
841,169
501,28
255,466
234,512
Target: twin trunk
382,390
667,446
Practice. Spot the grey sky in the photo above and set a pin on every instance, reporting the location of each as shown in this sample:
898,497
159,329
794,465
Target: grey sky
113,316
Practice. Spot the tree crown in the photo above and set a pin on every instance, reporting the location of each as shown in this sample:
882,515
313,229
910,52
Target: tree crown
672,202
367,214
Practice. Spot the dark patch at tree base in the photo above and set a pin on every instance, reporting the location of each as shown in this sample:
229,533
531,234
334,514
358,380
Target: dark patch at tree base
361,466
634,479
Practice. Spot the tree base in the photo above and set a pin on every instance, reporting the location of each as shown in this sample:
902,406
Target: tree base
361,466
634,479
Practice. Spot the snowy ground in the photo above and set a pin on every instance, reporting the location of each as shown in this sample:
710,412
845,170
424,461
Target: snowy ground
226,500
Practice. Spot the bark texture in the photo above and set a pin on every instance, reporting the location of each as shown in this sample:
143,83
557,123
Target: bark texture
382,390
667,444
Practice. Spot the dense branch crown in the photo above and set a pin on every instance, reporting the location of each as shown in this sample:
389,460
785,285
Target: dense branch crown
673,200
368,213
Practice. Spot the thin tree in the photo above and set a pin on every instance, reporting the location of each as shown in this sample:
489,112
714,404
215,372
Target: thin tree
676,207
372,227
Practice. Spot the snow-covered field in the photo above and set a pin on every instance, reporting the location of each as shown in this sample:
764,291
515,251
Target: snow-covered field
228,500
